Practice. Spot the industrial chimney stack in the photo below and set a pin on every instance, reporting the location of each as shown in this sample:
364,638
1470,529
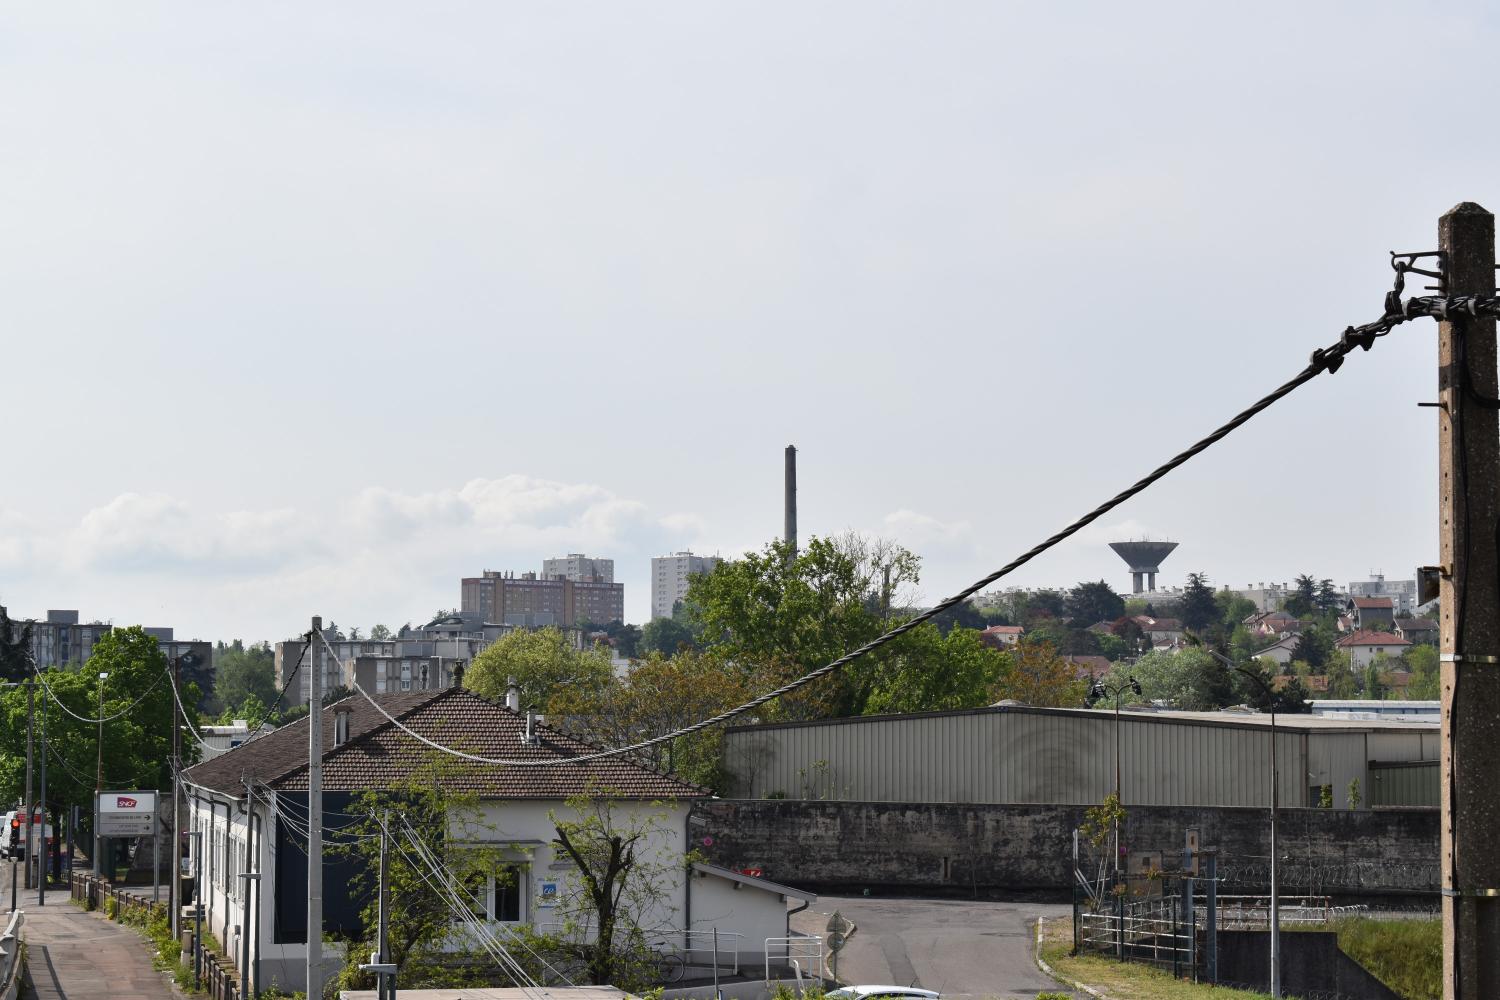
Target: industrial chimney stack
791,499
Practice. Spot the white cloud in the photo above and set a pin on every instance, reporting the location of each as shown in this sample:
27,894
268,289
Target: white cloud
155,532
918,531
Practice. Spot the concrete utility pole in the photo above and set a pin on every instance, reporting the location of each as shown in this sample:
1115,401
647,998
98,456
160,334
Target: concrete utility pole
789,505
174,901
314,813
41,837
30,808
1468,484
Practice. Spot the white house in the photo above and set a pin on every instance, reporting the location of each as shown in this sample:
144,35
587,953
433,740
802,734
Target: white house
264,831
1363,646
1282,651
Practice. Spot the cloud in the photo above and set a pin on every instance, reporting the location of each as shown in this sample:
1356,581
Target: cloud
156,532
920,531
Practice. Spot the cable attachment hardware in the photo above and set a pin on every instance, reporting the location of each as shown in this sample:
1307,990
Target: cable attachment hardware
1352,338
1402,263
1327,359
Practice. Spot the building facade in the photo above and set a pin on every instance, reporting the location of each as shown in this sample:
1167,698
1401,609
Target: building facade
1403,593
670,575
579,568
529,601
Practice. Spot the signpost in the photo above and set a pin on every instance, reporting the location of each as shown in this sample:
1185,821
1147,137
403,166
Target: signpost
839,929
123,814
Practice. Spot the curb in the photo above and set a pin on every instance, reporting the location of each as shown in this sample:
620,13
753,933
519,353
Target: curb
1041,963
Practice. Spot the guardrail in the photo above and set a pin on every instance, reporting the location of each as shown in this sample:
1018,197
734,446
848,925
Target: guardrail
10,956
794,951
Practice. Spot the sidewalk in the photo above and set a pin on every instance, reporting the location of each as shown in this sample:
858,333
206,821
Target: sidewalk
74,955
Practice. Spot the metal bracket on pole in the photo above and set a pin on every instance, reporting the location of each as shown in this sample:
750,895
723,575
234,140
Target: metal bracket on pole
1473,893
1468,658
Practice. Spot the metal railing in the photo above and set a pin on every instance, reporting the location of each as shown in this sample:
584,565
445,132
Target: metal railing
701,943
800,952
10,955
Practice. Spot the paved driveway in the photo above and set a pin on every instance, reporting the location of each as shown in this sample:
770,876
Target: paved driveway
957,947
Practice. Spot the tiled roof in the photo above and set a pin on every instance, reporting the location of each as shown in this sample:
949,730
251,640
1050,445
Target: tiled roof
1086,666
1416,624
284,750
1365,637
1372,602
1004,630
379,754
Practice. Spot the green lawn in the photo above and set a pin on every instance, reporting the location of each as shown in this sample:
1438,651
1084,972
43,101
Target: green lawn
1124,980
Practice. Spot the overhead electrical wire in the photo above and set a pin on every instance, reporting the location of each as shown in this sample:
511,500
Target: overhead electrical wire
42,676
1327,359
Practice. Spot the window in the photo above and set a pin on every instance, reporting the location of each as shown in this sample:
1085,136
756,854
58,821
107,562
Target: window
497,897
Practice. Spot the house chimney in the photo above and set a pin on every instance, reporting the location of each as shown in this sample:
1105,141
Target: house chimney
529,738
458,676
340,726
512,694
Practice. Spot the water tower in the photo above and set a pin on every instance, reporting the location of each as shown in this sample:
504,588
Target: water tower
1144,559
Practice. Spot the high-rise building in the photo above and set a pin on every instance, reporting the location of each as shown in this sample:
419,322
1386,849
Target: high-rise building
669,579
579,568
530,601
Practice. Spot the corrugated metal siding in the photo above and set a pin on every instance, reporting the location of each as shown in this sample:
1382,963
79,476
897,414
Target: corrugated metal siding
1019,757
1406,785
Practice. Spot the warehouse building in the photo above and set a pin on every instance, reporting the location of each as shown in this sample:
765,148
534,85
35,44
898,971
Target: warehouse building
1014,754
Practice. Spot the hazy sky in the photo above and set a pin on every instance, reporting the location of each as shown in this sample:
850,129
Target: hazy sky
316,308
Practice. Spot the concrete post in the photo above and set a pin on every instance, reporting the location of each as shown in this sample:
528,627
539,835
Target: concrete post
1468,483
30,807
315,814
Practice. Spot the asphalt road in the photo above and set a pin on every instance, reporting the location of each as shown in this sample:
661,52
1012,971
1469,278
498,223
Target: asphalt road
956,947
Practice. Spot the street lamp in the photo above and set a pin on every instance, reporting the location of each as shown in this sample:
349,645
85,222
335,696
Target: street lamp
1098,690
99,781
1275,894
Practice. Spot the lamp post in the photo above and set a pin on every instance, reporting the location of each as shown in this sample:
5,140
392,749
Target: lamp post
99,781
1098,690
1275,801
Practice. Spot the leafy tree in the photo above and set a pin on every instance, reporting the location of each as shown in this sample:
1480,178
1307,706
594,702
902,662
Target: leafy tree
659,695
1069,641
1313,647
1088,603
137,744
966,615
354,634
1038,676
1422,661
1041,604
1375,689
780,616
623,639
666,636
1233,609
1342,683
15,648
931,672
379,633
1304,600
1290,699
1190,679
544,664
1197,607
622,876
242,673
1328,601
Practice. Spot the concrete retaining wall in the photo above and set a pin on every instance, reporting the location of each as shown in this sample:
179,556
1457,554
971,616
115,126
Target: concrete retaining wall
957,848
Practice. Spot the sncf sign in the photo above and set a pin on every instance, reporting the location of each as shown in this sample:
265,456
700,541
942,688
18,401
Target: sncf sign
124,802
126,813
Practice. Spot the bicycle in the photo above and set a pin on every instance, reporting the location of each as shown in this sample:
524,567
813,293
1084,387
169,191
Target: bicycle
670,964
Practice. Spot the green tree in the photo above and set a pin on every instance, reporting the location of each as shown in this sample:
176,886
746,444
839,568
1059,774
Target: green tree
242,673
666,636
1197,607
780,615
1313,647
930,672
544,663
1304,599
1039,676
1089,603
1292,697
15,648
1328,600
1422,661
379,633
1233,609
659,695
1189,679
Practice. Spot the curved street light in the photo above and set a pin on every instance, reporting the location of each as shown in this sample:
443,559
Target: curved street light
1097,690
1275,916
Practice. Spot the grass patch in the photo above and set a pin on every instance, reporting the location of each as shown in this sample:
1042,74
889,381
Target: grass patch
1406,955
1124,980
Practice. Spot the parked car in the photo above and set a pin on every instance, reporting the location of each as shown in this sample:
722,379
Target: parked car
881,993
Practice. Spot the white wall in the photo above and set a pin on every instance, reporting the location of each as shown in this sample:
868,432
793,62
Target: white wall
735,908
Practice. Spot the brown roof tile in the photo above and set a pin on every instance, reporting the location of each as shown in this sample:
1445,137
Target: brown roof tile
1365,637
379,754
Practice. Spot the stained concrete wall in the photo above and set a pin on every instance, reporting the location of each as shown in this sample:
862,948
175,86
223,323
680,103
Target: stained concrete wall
946,847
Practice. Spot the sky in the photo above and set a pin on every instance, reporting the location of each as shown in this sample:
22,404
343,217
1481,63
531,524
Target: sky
318,308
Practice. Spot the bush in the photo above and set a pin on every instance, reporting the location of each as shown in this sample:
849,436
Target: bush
1406,955
1052,995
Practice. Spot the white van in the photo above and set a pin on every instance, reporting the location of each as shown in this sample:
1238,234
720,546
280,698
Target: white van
13,836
